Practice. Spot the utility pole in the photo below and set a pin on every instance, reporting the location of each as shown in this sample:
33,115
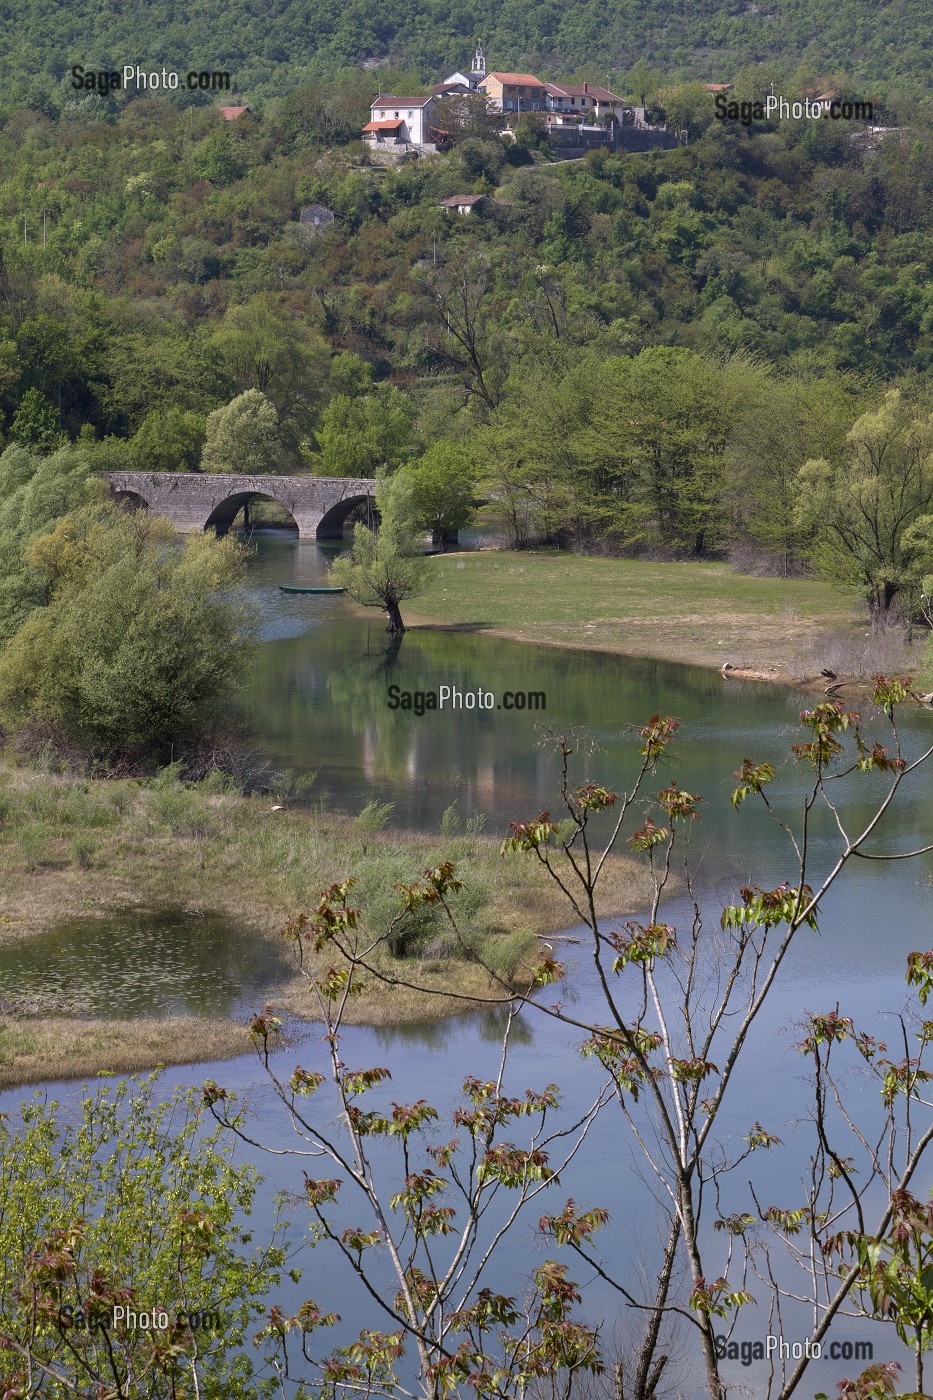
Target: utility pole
43,230
24,230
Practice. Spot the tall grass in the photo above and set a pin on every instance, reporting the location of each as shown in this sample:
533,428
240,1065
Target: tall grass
69,845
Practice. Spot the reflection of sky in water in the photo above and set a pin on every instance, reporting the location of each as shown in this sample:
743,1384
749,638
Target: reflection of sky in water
145,962
321,704
280,629
431,1061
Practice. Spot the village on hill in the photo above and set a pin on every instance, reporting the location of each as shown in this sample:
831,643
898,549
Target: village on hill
577,117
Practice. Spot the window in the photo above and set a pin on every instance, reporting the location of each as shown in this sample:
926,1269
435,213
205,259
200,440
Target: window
410,115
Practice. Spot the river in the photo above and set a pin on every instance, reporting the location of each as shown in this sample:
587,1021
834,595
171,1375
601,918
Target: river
320,697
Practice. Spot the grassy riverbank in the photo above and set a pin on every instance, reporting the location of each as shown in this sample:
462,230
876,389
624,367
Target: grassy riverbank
70,847
704,614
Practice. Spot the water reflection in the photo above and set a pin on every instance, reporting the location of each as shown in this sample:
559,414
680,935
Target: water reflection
145,962
319,702
487,1025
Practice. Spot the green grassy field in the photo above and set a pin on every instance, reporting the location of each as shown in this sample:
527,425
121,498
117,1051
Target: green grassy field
703,614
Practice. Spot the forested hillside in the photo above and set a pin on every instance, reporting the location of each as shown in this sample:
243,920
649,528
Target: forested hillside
273,47
161,302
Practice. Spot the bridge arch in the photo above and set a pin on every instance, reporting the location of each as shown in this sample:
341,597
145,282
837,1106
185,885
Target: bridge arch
130,500
226,511
331,523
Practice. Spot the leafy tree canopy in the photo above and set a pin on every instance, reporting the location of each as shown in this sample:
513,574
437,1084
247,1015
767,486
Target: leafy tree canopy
148,1216
137,647
244,437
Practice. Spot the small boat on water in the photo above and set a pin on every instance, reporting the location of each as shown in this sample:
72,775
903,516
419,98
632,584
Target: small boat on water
304,588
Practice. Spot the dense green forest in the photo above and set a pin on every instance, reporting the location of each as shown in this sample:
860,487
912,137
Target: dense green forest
274,47
629,352
139,252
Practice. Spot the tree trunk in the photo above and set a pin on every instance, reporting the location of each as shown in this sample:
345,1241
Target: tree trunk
649,1367
714,1386
395,617
880,604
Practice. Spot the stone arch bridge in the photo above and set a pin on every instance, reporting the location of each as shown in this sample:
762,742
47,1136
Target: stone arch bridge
319,505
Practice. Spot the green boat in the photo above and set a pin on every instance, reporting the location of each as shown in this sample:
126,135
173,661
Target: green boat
303,588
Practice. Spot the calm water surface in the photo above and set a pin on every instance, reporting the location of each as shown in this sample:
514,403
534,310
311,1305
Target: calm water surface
145,962
319,697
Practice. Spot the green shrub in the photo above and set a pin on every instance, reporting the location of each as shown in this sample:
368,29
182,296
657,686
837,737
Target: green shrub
83,850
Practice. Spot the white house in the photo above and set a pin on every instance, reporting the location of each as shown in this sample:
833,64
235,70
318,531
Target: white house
405,120
463,203
458,80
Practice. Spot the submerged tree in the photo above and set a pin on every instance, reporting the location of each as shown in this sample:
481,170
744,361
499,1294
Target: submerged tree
678,1006
386,565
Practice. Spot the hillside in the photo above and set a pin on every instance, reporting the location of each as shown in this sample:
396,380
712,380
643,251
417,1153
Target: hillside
753,293
270,48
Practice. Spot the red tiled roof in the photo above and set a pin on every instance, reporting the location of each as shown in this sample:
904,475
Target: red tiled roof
230,114
390,101
453,200
718,87
519,79
383,126
599,94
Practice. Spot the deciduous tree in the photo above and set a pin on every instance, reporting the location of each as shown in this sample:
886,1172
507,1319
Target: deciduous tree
137,647
265,348
367,434
677,1009
443,484
244,437
860,512
169,441
130,1207
385,566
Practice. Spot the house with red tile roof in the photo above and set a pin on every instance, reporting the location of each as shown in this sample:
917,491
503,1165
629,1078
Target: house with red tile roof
400,120
515,92
584,101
